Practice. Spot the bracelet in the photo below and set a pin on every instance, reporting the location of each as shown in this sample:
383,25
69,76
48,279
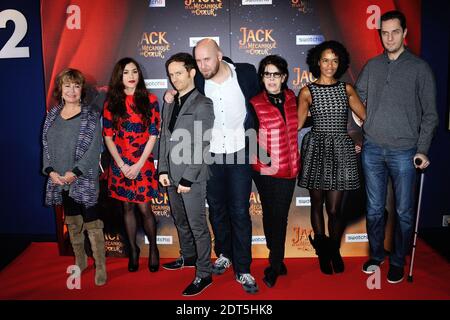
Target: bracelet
120,167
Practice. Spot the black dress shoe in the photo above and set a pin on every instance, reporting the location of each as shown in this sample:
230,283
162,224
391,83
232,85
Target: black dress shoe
197,286
179,264
133,261
283,270
153,267
270,277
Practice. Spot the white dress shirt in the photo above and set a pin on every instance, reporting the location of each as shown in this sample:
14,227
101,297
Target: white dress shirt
228,133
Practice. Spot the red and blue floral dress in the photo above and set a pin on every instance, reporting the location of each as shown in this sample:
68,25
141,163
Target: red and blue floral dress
130,138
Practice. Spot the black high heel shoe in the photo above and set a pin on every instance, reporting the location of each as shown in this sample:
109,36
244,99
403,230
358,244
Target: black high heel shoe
133,260
153,267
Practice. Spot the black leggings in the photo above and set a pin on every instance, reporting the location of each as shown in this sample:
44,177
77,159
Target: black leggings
72,208
333,201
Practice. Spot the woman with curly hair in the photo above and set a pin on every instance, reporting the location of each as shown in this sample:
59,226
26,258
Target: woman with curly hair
329,164
131,125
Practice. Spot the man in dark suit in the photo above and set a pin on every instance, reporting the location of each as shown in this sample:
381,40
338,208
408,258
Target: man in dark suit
185,135
230,86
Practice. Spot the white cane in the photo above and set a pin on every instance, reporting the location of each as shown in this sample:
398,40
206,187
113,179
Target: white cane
418,162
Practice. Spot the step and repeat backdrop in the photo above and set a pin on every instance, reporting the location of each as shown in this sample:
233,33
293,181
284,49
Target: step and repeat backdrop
92,35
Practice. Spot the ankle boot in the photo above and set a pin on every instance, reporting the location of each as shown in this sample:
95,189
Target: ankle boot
76,234
97,239
336,259
320,243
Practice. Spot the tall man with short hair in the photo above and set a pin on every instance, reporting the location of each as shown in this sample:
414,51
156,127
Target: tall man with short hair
399,90
230,86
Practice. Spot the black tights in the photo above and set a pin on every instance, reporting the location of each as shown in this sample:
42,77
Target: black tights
333,201
149,223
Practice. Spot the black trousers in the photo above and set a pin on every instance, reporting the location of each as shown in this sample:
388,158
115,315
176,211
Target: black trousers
72,208
276,196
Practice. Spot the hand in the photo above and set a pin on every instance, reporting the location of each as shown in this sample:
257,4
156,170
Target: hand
183,189
56,178
425,161
69,177
125,169
357,148
169,95
164,180
133,171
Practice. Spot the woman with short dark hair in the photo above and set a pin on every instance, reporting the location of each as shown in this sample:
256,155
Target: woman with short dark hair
276,166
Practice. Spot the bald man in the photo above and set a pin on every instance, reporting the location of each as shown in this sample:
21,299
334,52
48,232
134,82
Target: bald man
230,86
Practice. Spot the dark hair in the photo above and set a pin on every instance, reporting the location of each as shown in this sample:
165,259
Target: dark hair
394,14
69,75
186,58
116,95
314,55
278,62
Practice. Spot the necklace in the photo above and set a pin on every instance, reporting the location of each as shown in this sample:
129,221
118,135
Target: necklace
276,100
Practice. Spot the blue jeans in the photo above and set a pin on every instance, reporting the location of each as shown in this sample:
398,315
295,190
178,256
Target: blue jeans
228,193
378,163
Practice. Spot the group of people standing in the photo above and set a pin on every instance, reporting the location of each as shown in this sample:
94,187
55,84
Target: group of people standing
212,120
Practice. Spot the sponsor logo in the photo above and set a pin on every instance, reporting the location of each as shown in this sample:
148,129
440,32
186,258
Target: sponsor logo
301,78
153,44
193,40
161,240
155,83
302,201
256,2
300,239
257,41
311,39
301,5
258,240
157,3
203,7
356,237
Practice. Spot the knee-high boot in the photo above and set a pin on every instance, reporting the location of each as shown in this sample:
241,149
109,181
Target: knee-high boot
76,234
97,239
320,243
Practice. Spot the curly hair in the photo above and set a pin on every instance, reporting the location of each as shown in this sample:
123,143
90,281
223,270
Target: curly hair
115,96
279,62
69,75
314,55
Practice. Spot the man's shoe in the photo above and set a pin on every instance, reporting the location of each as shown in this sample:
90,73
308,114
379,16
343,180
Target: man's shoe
179,264
221,264
270,277
395,274
248,282
370,265
197,286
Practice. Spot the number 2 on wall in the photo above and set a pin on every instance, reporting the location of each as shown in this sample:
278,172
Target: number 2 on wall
10,49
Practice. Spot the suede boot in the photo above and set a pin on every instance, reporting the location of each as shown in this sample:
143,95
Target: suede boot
97,239
76,234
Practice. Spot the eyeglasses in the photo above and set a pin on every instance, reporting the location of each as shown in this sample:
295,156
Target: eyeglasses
276,75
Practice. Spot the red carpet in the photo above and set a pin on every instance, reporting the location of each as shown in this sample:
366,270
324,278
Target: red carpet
40,274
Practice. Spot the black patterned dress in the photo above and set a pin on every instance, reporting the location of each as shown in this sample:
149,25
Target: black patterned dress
328,153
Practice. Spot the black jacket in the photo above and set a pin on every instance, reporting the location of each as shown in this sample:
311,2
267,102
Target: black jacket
248,82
